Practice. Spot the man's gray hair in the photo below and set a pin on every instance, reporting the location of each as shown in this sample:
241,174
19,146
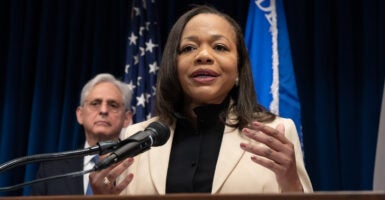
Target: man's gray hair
105,77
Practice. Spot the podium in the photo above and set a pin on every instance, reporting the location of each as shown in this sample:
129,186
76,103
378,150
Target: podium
343,195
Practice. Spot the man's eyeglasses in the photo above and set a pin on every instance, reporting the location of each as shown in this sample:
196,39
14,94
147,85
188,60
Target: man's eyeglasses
112,106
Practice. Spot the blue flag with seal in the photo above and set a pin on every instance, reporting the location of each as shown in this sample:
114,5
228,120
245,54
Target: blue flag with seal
142,57
268,44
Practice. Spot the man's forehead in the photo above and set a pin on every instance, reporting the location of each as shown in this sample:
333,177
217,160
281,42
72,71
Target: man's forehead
103,99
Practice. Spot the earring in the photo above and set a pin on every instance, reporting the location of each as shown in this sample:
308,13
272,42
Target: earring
237,81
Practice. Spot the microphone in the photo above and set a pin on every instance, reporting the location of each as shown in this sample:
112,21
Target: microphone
156,134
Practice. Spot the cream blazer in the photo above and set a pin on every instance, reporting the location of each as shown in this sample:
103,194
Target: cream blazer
235,172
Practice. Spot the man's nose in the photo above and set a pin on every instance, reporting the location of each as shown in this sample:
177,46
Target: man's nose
103,108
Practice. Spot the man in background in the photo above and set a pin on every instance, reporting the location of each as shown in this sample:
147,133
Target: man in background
103,112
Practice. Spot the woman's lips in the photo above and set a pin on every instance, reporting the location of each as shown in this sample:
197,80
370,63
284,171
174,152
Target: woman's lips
204,76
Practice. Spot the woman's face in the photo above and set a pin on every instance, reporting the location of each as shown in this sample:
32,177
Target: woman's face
207,60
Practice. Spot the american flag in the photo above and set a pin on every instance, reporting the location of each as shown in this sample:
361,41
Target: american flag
143,57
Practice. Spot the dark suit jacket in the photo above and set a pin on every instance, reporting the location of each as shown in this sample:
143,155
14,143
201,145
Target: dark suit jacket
62,186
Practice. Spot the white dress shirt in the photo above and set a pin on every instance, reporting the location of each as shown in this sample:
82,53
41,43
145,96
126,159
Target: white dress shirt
87,165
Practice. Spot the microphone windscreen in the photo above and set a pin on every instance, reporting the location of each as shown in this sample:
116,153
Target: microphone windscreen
161,133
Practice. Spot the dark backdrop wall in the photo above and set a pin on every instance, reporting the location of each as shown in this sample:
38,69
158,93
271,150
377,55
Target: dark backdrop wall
49,49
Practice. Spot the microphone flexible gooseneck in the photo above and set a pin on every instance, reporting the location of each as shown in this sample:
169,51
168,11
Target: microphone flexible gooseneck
155,134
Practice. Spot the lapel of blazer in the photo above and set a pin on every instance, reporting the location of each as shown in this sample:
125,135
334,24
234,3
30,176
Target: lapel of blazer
229,156
158,162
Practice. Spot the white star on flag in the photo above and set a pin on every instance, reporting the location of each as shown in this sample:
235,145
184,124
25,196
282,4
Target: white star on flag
133,39
153,68
150,46
141,101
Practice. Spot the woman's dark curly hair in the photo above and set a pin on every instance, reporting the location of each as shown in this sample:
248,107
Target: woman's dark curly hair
169,93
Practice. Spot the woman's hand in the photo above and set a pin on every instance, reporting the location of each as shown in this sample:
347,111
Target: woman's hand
278,155
104,181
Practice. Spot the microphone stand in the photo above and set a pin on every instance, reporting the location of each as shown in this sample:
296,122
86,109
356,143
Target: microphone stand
101,148
21,185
